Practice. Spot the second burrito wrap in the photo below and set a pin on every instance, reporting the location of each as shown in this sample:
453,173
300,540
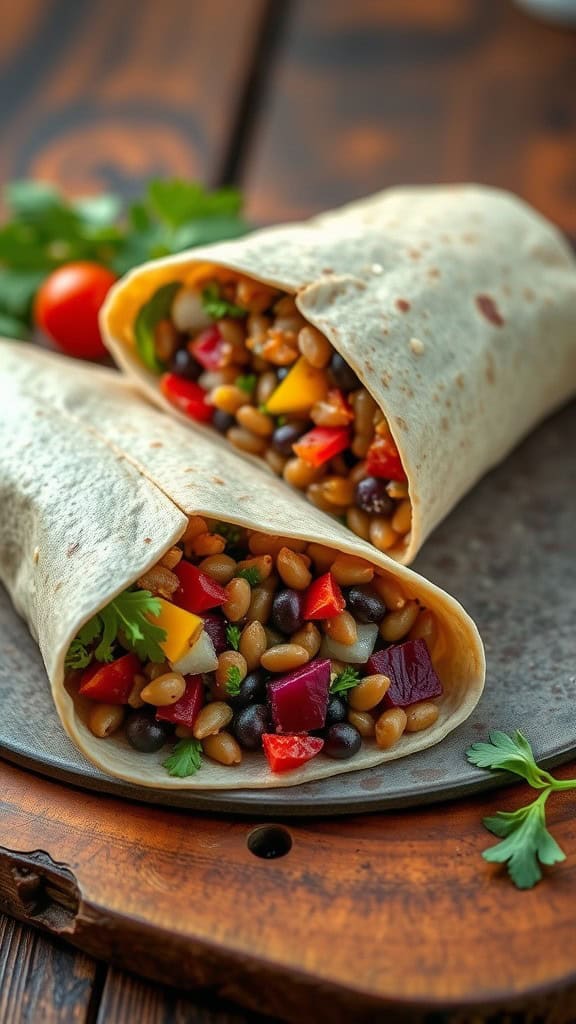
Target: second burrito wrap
380,358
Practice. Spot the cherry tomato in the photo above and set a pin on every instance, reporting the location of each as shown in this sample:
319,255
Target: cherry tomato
67,306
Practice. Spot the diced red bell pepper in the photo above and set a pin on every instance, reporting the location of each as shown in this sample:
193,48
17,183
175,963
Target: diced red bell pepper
323,599
186,710
187,396
287,752
197,591
321,444
208,348
111,683
383,460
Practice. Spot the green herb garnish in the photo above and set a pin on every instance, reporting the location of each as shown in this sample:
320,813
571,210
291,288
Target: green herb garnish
526,842
246,382
233,680
185,759
233,636
217,307
251,574
346,680
44,231
125,615
151,313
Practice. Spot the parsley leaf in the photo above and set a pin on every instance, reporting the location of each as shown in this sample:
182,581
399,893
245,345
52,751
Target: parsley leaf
233,681
347,679
233,636
217,307
526,842
125,617
246,382
249,573
44,230
185,759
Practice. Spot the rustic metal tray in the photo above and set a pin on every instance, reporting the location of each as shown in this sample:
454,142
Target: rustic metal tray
508,553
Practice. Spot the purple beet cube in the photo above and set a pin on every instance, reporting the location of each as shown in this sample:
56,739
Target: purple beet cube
299,700
410,669
215,626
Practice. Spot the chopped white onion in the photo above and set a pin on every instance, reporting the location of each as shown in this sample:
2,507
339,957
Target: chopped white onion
355,654
188,312
200,658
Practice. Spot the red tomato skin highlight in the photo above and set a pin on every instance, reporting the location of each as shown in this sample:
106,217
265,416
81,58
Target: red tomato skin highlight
284,753
67,305
110,683
323,599
187,396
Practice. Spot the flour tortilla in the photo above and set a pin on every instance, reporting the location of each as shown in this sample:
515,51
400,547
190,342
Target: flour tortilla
454,305
96,485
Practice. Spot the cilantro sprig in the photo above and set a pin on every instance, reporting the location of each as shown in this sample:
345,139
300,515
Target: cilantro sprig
233,681
185,759
249,573
43,231
217,307
233,636
346,680
526,842
246,382
124,619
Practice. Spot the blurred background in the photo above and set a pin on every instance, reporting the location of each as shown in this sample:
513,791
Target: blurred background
304,104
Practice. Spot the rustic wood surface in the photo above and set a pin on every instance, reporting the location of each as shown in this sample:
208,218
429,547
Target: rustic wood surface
410,915
307,105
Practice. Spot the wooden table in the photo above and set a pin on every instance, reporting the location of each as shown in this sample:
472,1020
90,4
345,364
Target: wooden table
305,105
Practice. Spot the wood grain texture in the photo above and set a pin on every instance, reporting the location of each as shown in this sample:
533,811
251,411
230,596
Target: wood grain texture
396,910
42,981
370,94
107,95
127,998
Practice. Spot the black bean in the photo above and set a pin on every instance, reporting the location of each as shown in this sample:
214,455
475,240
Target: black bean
282,372
342,374
146,734
250,724
184,365
252,691
337,710
365,604
223,420
287,614
342,741
371,496
284,437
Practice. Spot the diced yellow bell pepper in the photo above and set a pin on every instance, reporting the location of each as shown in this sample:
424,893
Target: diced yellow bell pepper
299,390
182,629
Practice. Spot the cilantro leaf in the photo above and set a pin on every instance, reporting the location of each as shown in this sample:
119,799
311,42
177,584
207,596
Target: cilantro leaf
217,307
249,573
512,754
233,636
125,617
346,680
157,308
185,759
233,681
526,842
246,382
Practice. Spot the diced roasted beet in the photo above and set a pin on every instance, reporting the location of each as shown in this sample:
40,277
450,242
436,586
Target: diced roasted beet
299,700
410,669
215,626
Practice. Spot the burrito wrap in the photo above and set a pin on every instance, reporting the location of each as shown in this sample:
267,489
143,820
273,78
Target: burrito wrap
454,305
96,486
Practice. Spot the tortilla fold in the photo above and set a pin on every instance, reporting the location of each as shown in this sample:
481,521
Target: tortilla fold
454,305
96,485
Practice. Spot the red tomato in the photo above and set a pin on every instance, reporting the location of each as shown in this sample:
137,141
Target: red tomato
187,396
287,752
67,307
